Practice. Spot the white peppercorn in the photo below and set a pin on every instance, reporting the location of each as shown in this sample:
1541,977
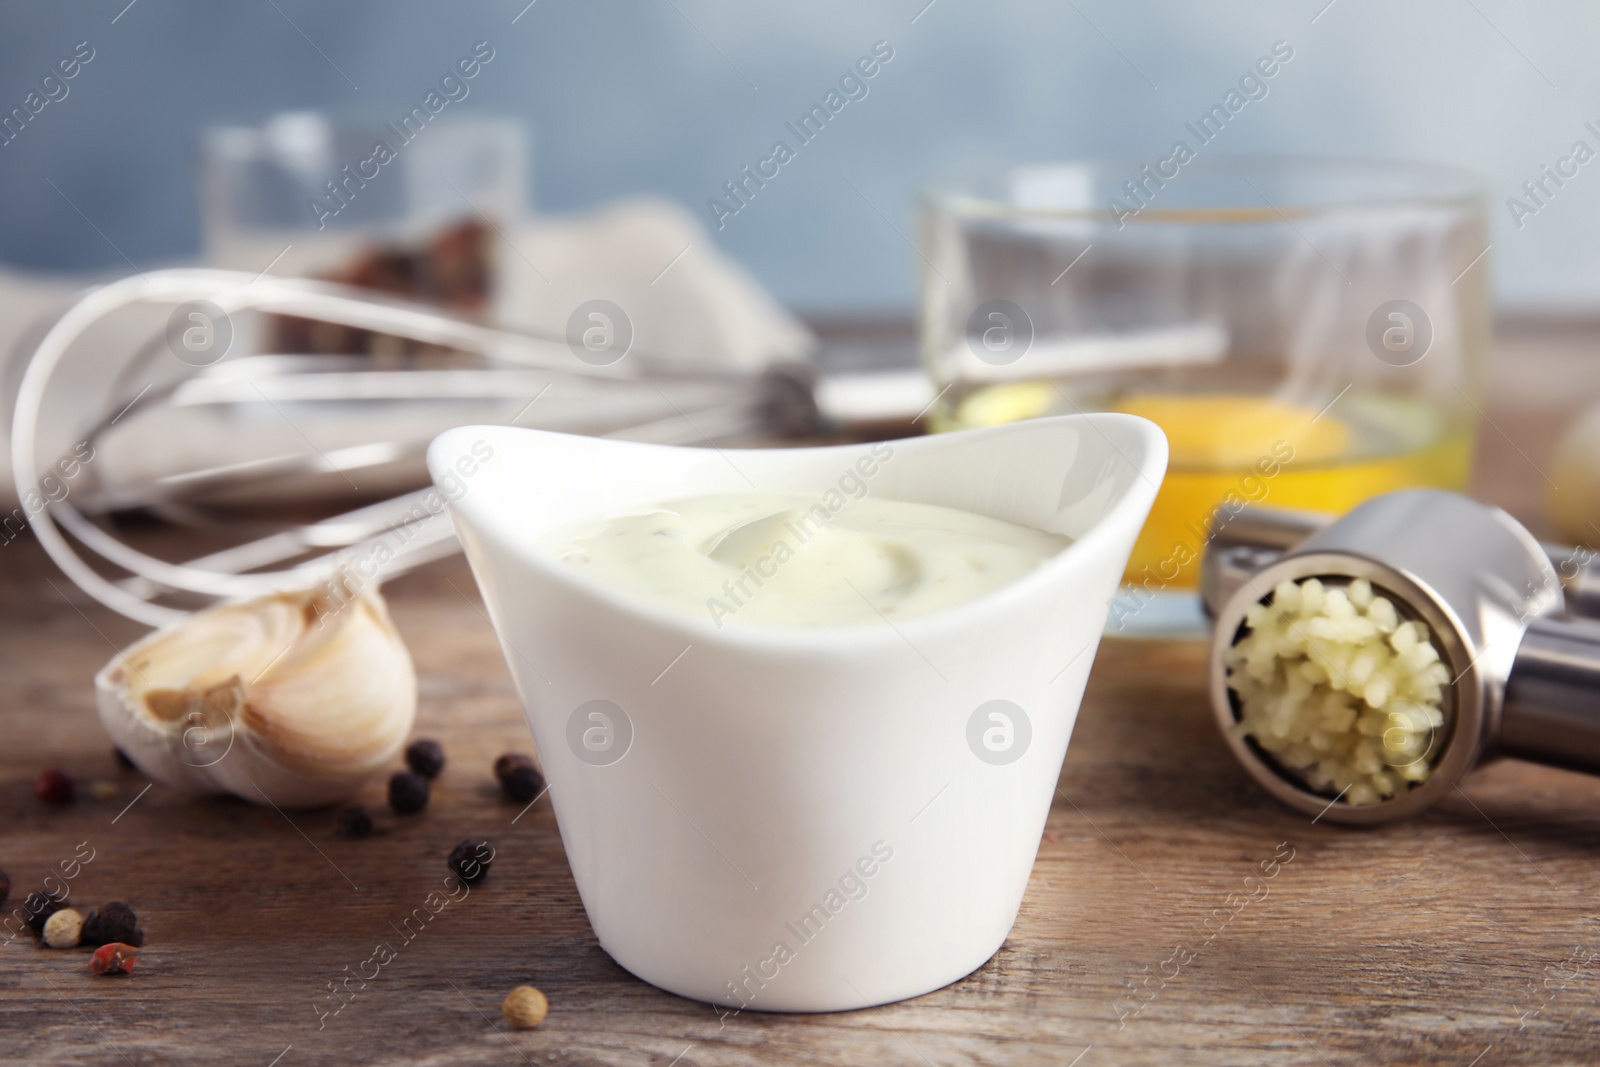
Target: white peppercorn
64,929
525,1007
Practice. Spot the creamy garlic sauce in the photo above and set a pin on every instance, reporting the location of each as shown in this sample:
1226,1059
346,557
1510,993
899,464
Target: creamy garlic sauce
776,559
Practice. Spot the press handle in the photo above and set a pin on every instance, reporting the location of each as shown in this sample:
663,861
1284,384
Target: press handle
1256,537
1247,541
1551,712
1578,567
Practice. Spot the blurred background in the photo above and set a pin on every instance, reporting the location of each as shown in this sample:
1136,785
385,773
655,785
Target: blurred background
672,97
887,209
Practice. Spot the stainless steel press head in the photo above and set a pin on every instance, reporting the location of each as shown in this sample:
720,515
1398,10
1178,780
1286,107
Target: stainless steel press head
1525,673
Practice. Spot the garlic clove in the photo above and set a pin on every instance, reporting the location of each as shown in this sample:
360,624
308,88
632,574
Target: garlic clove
296,698
1575,466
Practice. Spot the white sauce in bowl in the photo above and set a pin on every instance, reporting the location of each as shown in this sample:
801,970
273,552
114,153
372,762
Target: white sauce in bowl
778,559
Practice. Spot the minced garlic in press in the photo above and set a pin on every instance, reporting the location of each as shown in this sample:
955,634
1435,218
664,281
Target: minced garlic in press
1339,690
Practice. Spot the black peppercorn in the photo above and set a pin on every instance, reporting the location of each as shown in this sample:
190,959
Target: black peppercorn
471,860
408,793
40,906
5,887
355,822
505,763
523,783
113,922
123,761
54,786
425,758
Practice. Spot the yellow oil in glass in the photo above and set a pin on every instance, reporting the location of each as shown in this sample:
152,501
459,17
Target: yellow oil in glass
1230,450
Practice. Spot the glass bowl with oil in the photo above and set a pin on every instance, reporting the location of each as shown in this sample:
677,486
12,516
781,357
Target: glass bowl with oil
1308,332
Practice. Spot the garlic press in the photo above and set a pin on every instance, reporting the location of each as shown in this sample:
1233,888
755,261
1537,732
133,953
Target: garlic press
1513,621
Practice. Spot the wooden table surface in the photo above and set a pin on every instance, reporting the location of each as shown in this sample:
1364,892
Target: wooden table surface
1469,936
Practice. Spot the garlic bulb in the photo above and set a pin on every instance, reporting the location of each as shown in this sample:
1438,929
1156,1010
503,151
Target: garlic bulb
295,698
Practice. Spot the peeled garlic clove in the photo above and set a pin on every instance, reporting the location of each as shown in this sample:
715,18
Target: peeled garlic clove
296,698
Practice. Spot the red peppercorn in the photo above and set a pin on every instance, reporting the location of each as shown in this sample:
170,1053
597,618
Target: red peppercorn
54,786
114,958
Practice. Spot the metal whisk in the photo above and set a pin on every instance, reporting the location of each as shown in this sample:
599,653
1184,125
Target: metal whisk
655,400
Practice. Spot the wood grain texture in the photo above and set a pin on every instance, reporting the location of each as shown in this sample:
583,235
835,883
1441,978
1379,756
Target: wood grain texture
1455,939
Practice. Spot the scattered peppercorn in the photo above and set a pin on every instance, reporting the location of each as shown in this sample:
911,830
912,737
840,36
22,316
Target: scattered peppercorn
113,922
5,887
523,783
425,757
65,929
471,860
525,1007
54,786
355,822
40,906
114,958
123,761
505,763
408,793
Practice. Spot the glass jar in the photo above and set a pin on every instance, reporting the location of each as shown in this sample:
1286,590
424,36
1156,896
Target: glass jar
417,208
1308,332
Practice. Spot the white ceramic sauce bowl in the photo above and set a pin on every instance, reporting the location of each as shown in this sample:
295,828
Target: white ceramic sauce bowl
802,819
